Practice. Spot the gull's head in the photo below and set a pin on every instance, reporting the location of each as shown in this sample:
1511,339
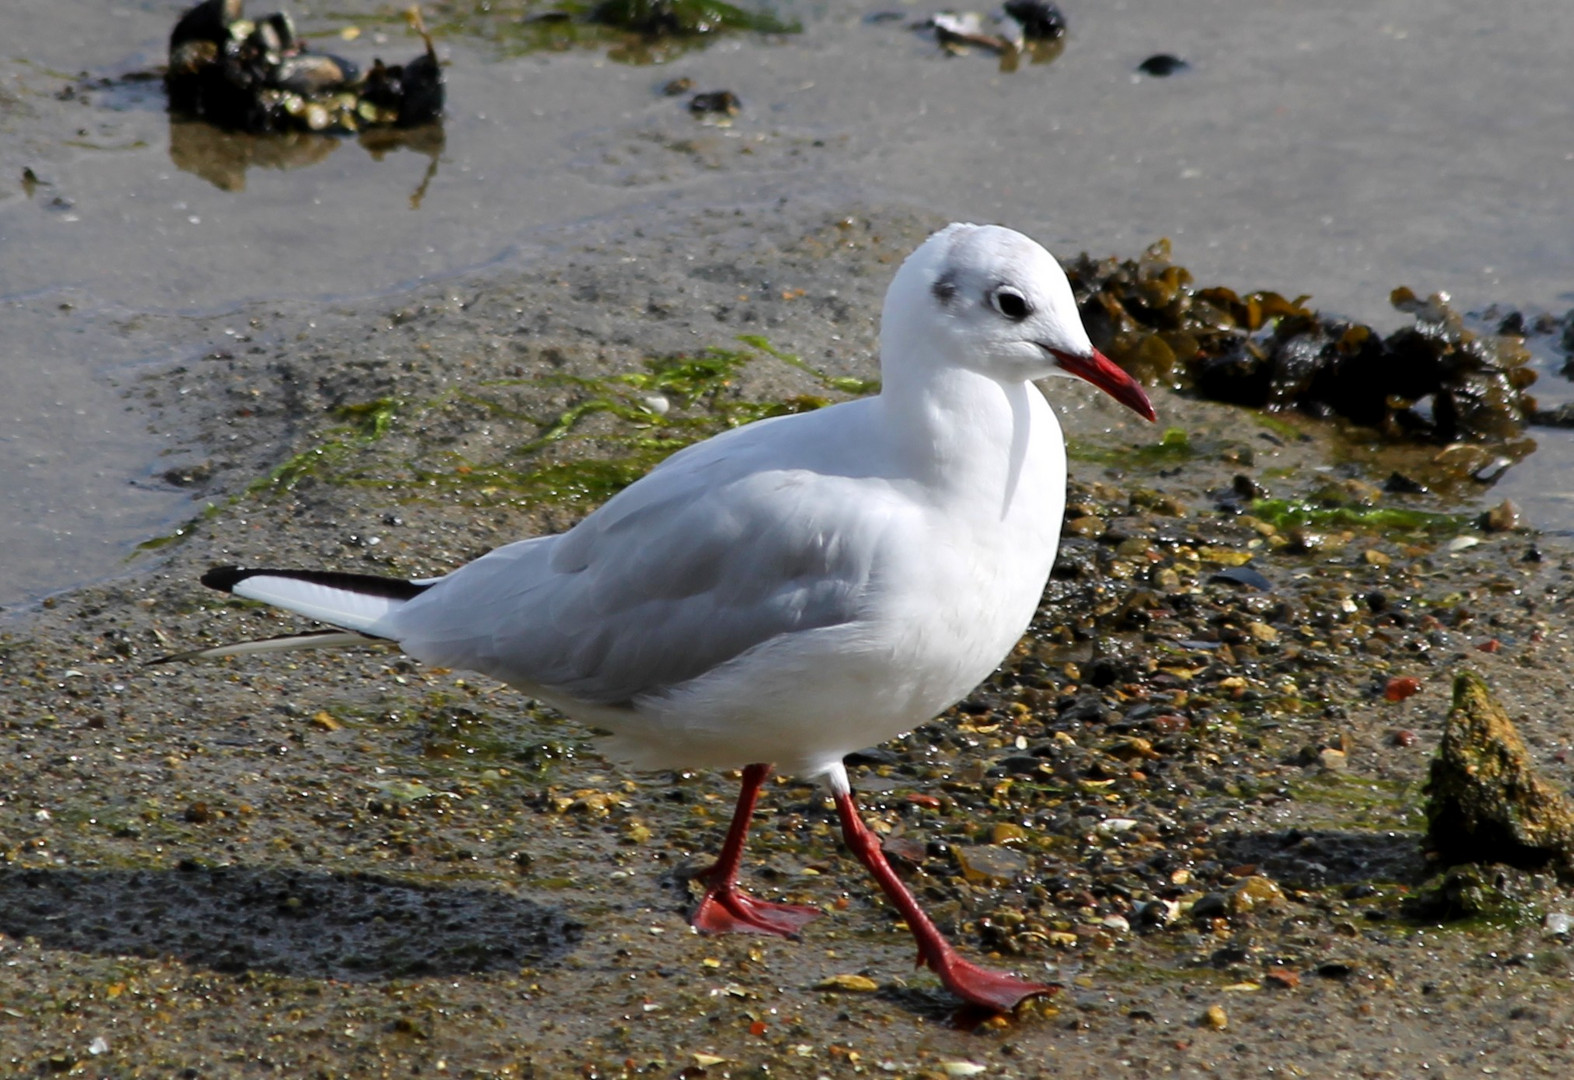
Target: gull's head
991,300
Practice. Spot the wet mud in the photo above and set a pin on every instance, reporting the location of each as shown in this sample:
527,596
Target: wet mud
1192,797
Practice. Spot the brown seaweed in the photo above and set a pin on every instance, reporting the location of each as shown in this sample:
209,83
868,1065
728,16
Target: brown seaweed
1434,381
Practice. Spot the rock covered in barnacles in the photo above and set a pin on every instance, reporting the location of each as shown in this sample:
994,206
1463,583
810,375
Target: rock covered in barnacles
1485,804
1434,381
1040,21
258,77
1034,28
955,30
717,104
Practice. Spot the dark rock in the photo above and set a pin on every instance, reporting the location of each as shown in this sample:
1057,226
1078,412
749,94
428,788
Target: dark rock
1163,65
1210,906
1400,484
1244,576
1040,21
715,103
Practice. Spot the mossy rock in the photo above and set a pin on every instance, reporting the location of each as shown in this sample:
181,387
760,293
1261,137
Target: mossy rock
1485,803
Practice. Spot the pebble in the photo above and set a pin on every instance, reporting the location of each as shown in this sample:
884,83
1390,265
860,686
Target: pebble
1216,1018
1209,906
1007,832
1243,575
1559,923
991,863
1252,894
1089,526
1401,687
1331,760
1504,517
1157,913
848,984
1111,826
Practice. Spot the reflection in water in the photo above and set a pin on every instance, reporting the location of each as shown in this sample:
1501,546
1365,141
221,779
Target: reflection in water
222,157
427,139
1037,52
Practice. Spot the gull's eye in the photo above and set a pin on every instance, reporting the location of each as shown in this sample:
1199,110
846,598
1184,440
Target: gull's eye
1010,303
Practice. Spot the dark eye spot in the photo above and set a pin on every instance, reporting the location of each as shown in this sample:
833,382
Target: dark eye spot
1010,303
944,290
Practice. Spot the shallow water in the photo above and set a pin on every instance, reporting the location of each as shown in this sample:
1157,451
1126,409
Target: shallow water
1334,149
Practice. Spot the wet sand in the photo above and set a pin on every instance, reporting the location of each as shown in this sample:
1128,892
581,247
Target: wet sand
1338,150
348,865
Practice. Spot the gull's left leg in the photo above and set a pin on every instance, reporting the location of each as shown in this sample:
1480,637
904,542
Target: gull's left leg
727,909
968,981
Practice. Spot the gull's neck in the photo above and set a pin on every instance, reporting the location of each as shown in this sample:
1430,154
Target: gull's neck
966,435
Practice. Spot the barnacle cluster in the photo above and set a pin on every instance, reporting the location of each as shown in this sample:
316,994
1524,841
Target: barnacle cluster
259,76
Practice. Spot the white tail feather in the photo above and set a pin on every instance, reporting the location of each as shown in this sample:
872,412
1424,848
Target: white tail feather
325,603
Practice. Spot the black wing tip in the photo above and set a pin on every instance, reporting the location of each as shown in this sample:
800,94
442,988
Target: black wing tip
225,578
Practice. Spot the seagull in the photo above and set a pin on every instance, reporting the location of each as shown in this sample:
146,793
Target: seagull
793,590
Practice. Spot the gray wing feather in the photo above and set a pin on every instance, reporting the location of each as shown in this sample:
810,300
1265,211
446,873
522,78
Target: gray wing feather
678,574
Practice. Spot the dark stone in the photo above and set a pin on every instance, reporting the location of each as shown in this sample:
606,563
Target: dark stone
1163,65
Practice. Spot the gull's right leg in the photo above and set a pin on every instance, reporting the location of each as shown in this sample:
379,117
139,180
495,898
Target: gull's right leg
727,909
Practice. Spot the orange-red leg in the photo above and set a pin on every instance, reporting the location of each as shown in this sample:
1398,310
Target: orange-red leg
727,909
968,981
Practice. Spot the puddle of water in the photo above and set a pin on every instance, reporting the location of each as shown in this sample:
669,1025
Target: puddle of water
1337,149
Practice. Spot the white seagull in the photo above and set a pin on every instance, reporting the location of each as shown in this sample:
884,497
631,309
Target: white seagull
793,590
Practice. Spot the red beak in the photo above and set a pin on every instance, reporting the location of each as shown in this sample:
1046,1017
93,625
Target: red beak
1103,373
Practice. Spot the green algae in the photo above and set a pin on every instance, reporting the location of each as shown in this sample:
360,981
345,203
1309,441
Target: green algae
570,461
674,402
847,384
364,423
632,31
360,425
181,533
1292,513
1361,803
1174,445
1279,426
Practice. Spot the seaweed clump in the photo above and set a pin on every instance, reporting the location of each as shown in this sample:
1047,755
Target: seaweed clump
259,77
1434,381
683,18
1485,803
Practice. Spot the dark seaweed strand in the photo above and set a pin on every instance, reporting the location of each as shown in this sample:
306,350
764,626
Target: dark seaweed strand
225,578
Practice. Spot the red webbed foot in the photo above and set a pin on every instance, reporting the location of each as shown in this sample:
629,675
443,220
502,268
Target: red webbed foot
984,986
730,911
